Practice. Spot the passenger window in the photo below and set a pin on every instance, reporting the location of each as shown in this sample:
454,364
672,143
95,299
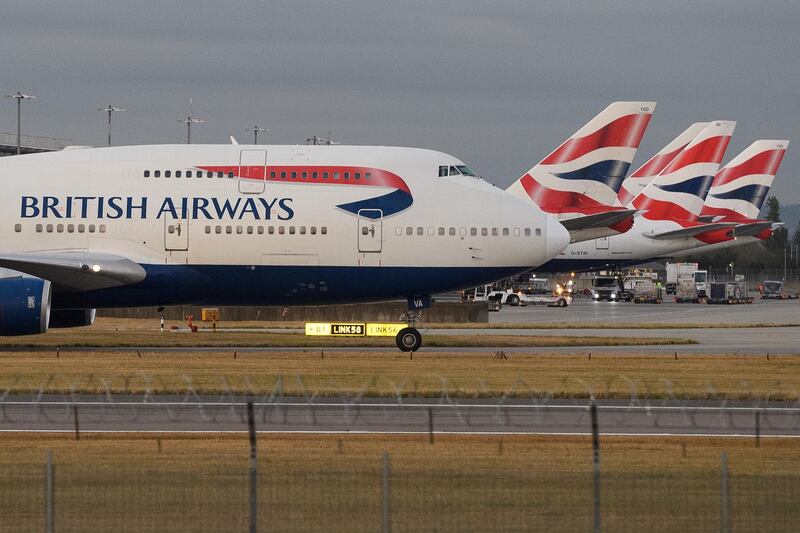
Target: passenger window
324,230
358,175
170,229
505,232
484,232
167,173
18,227
420,231
188,173
302,230
313,175
282,229
324,175
409,230
347,175
218,230
59,228
283,175
81,228
294,175
538,232
272,174
208,230
220,175
336,175
473,232
209,174
527,232
49,228
261,230
229,230
495,233
38,228
70,228
146,173
91,228
249,230
291,230
157,174
230,174
313,230
441,231
364,230
177,173
305,175
451,232
442,170
367,175
272,230
238,230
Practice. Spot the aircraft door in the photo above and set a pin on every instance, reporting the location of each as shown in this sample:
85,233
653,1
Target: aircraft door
601,243
370,230
252,171
176,233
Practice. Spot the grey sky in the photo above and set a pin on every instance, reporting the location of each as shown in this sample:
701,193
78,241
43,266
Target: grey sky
497,84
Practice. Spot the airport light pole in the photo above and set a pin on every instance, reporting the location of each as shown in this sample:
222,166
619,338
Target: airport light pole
189,121
109,109
256,130
19,97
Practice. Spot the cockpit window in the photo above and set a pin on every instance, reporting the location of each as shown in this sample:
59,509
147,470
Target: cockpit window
454,171
442,170
464,169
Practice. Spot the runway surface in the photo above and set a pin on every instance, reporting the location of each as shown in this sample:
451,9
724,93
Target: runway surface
53,413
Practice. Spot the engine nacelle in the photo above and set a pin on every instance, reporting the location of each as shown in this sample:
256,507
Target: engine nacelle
72,318
24,306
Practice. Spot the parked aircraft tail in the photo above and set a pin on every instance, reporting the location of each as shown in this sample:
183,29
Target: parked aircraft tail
740,188
679,190
641,177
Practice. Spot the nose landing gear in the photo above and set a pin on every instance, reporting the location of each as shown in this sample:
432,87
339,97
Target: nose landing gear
409,339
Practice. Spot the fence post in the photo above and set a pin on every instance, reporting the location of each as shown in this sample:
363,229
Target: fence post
725,519
49,504
251,425
386,523
758,428
596,468
430,426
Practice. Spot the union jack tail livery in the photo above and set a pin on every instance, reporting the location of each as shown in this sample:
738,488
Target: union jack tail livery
583,175
740,187
679,190
641,177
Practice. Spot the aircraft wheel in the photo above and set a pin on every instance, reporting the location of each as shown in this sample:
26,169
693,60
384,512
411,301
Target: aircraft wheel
562,302
408,340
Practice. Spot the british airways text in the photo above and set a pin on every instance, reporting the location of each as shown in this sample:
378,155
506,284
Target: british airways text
129,207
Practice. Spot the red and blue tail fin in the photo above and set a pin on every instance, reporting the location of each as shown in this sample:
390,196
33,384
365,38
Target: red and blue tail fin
583,175
641,177
679,190
740,187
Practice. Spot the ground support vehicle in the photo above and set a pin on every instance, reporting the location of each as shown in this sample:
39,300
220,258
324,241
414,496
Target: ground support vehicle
647,292
609,288
773,290
686,292
553,300
732,292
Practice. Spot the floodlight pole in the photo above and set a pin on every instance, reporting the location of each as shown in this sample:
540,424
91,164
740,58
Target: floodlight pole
256,130
109,109
19,97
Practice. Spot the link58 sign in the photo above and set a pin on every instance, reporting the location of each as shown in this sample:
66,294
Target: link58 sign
352,329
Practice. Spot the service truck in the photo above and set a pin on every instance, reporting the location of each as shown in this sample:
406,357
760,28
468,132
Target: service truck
773,290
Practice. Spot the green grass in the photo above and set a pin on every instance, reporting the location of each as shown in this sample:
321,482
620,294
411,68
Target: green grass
333,483
428,374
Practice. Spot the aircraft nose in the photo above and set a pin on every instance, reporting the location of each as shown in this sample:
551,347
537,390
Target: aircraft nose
556,237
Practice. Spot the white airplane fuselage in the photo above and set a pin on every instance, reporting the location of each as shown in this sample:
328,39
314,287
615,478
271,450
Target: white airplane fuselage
269,225
630,248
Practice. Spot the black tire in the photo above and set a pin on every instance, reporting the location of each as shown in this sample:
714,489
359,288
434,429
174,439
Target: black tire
562,302
512,300
408,340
